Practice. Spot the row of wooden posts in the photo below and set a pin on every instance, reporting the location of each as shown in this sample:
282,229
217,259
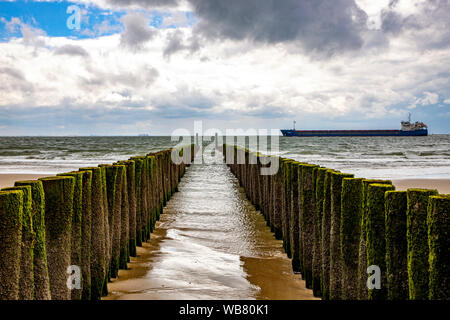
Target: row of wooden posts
92,219
335,226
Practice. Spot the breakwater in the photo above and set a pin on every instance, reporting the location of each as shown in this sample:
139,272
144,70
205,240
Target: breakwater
66,236
350,238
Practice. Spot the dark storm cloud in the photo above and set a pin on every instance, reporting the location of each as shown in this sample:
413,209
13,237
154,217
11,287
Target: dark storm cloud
71,50
432,18
319,25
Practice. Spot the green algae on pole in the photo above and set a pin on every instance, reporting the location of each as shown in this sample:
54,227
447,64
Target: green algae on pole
58,219
285,165
325,235
319,174
75,247
376,236
124,224
138,191
106,223
294,225
307,220
40,267
277,226
86,234
438,220
417,237
98,236
11,216
351,211
335,228
362,269
131,198
114,176
396,245
26,282
317,254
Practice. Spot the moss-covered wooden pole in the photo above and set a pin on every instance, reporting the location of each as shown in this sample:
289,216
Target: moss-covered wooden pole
114,178
294,222
376,235
11,216
335,235
86,234
363,293
307,220
98,235
286,165
277,205
325,244
124,226
417,237
26,282
396,245
108,244
138,191
75,238
58,220
131,184
300,217
40,268
351,212
317,250
438,221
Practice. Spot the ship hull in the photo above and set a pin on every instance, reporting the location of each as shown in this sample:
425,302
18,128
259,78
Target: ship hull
354,133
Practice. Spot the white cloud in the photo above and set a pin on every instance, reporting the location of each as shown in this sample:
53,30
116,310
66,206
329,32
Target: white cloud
228,80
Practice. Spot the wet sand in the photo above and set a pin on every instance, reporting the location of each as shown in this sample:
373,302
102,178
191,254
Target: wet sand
210,244
442,185
8,179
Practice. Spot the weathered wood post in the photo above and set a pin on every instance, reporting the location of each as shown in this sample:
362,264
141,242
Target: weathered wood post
307,220
417,237
351,212
98,256
376,236
11,216
438,221
326,227
317,249
86,234
77,213
26,281
363,293
40,267
294,217
396,245
335,238
58,220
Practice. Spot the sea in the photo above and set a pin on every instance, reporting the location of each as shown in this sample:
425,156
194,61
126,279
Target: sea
368,157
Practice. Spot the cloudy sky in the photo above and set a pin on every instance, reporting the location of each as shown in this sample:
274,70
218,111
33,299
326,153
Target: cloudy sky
151,66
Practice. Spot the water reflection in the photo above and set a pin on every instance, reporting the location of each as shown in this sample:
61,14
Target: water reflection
210,244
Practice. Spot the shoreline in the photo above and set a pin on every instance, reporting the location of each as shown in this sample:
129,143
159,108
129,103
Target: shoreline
441,184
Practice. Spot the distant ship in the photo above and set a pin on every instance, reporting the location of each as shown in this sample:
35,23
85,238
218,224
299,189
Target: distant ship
408,129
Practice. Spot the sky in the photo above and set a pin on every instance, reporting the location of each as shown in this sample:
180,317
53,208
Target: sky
152,66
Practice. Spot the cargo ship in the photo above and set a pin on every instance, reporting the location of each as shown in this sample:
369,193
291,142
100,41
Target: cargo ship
407,129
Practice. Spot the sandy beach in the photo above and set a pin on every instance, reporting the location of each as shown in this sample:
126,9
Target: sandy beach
8,179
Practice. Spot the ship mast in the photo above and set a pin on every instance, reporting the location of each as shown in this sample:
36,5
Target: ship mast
294,124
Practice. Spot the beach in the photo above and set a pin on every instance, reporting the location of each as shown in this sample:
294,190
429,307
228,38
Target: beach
8,179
